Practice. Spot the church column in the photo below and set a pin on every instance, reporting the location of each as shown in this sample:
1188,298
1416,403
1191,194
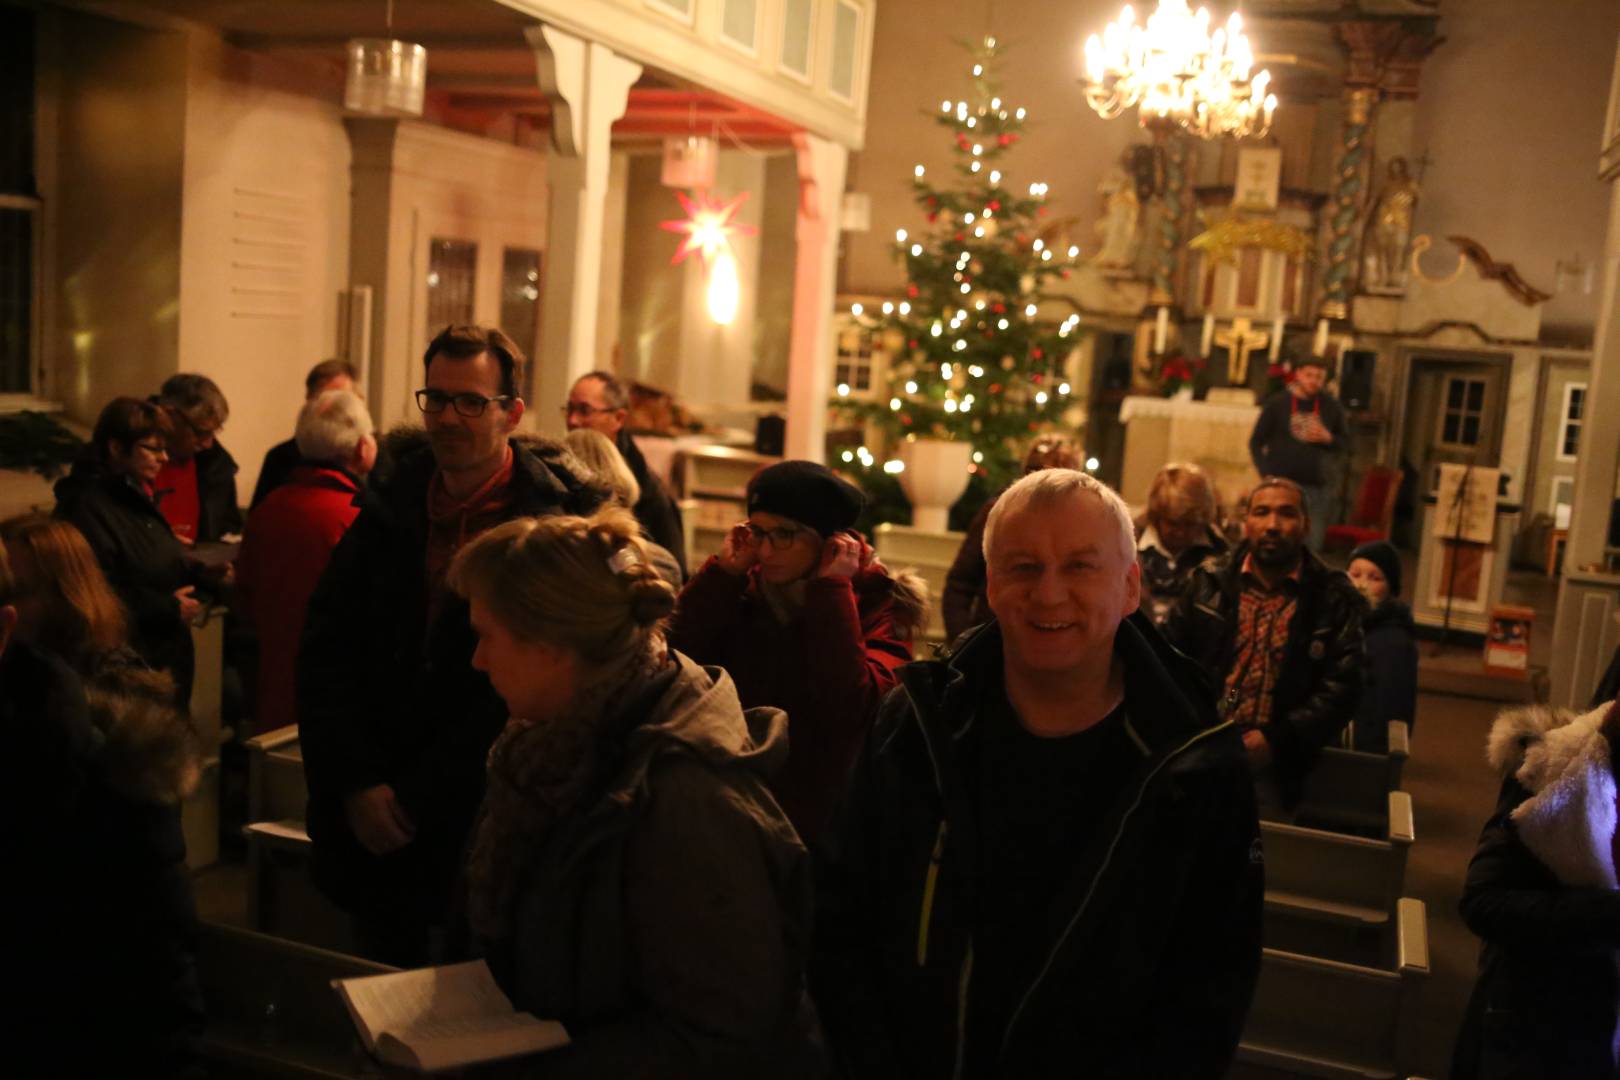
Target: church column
589,88
1585,631
821,192
1174,209
1348,174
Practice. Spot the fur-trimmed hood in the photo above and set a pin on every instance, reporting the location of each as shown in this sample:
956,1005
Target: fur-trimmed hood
147,749
1564,761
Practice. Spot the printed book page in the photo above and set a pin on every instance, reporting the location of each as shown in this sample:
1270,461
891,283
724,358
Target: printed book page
443,1017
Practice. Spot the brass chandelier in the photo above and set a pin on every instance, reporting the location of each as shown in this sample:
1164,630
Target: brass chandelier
1178,73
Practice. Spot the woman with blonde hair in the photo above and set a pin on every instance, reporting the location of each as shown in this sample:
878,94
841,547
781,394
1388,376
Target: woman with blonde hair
630,873
1179,531
603,458
64,603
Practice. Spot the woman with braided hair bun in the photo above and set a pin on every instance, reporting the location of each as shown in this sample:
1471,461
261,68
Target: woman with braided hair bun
630,873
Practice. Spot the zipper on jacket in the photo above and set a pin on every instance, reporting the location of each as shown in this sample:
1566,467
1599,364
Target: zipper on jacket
962,985
1108,858
929,883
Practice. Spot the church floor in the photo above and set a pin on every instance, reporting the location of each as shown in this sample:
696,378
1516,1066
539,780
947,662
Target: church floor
1453,791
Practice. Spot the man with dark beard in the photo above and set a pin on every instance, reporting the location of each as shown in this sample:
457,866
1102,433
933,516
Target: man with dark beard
395,722
1280,635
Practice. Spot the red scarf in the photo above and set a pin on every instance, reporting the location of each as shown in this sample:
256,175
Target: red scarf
452,522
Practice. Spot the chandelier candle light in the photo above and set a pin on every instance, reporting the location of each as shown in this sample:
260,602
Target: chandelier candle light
1179,73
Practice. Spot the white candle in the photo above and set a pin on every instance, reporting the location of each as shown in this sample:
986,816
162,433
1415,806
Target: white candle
1319,344
1277,329
1161,330
1208,340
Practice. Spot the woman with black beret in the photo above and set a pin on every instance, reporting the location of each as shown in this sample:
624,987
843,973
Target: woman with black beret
797,610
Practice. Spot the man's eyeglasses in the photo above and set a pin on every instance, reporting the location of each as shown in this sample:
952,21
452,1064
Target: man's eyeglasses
579,408
779,538
155,449
471,406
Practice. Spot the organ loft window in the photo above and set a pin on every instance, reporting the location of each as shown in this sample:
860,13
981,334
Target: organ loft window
20,205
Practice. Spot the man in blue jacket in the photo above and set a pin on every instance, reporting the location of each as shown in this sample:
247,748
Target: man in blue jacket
1049,854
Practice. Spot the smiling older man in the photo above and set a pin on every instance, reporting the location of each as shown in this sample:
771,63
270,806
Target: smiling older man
1049,854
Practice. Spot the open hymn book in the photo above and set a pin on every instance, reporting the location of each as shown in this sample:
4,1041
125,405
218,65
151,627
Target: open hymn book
438,1018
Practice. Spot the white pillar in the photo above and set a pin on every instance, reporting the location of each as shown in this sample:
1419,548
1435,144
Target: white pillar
1585,631
589,87
821,193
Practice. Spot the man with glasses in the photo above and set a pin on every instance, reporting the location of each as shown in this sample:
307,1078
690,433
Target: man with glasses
395,722
598,401
196,489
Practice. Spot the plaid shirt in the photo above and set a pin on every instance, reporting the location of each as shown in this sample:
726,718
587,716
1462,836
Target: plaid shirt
1264,616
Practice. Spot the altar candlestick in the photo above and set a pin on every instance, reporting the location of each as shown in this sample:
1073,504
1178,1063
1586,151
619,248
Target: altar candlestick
1319,344
1277,329
1161,330
1207,342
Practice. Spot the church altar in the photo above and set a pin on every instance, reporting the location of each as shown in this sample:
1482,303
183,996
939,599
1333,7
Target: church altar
1214,436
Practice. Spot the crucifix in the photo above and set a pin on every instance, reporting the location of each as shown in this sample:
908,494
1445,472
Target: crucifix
1239,342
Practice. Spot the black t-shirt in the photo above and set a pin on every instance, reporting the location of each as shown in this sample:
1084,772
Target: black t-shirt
1040,802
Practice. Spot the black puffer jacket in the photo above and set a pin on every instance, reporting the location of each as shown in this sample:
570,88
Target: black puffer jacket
218,512
1542,893
1389,677
1155,937
143,561
1319,676
386,698
100,914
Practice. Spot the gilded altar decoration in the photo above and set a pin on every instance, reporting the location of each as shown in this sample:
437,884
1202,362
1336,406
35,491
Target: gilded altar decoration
1222,240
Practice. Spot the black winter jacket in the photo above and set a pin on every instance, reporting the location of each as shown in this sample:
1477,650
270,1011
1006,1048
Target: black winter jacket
655,510
1319,678
218,511
1155,937
144,562
99,916
1276,452
1389,676
386,698
1541,892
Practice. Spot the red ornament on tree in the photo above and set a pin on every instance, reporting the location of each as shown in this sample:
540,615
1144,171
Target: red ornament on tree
995,204
999,308
995,388
1037,354
911,291
1005,140
933,216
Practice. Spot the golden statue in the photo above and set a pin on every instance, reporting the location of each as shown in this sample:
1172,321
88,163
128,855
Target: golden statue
1389,231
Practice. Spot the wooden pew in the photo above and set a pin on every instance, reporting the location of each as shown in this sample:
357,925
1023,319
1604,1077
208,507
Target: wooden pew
1338,878
1346,790
1323,1018
282,897
271,1008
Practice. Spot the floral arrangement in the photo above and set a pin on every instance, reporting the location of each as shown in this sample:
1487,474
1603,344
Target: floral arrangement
1278,376
1178,372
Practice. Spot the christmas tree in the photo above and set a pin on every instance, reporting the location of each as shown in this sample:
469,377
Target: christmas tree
976,362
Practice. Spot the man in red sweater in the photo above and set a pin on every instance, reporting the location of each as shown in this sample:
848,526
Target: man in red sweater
289,539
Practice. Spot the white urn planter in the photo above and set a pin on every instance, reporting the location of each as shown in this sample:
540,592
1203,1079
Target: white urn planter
935,474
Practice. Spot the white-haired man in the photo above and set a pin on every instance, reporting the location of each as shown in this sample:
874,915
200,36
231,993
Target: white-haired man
1048,853
289,537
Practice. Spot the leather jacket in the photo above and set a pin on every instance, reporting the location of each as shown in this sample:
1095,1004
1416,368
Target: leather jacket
1319,678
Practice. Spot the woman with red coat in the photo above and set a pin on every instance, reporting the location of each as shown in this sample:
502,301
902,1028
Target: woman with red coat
289,537
804,619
